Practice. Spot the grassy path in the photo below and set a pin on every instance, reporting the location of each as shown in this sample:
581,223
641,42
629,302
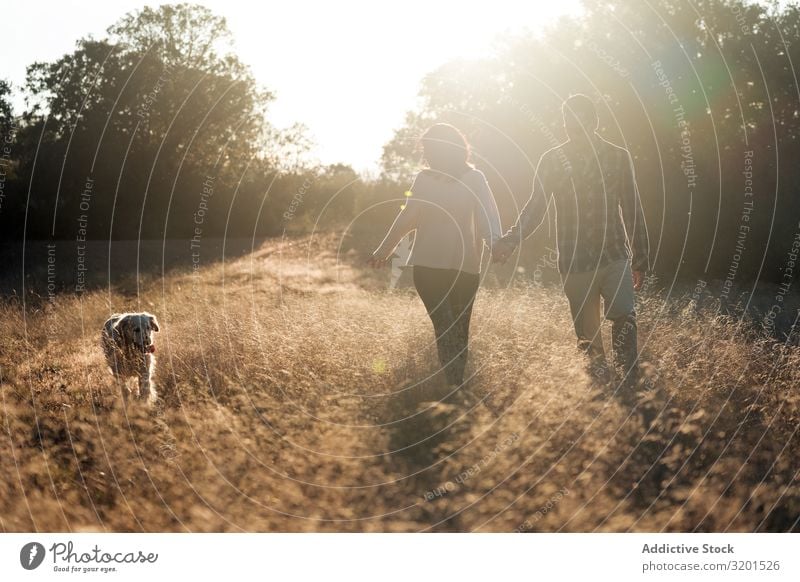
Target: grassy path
297,395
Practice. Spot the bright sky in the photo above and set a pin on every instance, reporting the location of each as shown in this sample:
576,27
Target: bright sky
348,70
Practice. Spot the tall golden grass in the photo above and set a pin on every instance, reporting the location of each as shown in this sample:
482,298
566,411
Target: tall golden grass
297,394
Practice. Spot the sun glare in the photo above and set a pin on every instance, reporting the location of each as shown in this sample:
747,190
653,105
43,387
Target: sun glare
347,70
360,76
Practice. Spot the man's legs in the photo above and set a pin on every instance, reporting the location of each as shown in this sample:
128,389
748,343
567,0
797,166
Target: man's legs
583,293
616,287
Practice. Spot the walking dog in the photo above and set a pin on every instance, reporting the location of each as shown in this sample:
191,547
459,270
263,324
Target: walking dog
127,340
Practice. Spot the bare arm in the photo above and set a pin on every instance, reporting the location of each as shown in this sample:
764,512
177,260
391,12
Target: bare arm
633,217
487,216
405,222
535,209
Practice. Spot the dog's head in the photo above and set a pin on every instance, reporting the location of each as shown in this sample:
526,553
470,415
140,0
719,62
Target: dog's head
136,330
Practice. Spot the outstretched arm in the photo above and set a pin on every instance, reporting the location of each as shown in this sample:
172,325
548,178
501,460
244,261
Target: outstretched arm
405,222
633,217
487,216
531,217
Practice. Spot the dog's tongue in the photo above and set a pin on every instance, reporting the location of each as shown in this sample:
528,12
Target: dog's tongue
151,348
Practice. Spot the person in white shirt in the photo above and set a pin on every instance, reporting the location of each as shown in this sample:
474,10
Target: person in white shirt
452,210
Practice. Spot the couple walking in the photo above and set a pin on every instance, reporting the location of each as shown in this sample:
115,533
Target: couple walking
601,237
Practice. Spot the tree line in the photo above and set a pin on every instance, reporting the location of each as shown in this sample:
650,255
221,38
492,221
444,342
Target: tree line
154,131
704,95
136,134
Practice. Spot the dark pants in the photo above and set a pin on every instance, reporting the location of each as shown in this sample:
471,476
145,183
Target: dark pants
448,296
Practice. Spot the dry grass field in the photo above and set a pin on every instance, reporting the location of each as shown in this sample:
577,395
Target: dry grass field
297,394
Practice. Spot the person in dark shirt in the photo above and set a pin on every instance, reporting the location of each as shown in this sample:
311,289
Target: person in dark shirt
601,234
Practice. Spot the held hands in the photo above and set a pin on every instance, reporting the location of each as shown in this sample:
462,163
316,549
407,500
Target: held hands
502,249
377,262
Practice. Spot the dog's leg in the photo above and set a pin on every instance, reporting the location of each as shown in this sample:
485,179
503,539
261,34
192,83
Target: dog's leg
137,390
123,387
147,391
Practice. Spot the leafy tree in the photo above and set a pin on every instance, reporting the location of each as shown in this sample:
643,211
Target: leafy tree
149,114
688,87
6,113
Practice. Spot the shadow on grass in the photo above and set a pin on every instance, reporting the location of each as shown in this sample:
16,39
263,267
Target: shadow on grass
66,266
427,422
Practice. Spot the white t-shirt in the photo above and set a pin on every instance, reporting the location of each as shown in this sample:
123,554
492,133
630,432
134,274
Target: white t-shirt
453,218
